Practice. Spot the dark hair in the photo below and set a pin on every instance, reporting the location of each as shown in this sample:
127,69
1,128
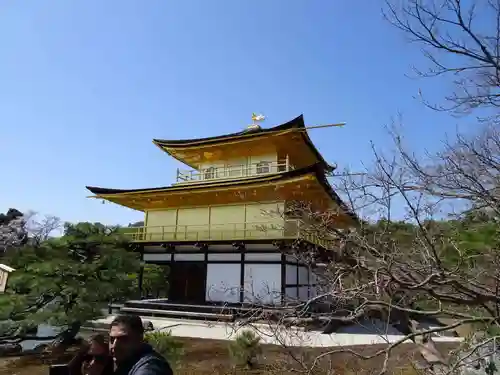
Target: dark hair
98,338
132,322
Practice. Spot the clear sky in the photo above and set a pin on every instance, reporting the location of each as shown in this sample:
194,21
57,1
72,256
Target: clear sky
86,85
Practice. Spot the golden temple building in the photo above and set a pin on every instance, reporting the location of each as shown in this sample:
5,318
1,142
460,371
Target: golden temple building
223,227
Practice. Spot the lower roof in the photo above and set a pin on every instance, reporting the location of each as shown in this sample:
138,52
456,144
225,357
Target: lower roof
315,171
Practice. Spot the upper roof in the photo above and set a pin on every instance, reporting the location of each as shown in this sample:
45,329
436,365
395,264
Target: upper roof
189,150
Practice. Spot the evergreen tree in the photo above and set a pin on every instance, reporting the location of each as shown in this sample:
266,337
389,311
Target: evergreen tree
66,281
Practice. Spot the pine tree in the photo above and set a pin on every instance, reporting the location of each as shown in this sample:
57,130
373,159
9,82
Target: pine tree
66,281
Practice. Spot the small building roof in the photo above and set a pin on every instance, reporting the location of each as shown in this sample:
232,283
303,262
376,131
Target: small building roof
6,268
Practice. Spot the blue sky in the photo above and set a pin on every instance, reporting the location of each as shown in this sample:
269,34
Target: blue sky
86,85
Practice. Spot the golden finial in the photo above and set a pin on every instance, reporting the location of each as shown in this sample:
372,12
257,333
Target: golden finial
257,118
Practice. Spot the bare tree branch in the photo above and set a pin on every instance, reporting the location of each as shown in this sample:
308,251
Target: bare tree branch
460,39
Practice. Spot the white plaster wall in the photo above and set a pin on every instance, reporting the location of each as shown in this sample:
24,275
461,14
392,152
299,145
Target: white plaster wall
154,249
223,282
224,256
263,283
263,256
189,257
291,274
259,247
157,257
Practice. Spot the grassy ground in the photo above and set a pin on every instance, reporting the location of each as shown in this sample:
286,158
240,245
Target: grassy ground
211,357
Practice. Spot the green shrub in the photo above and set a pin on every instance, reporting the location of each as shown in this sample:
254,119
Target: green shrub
166,345
245,349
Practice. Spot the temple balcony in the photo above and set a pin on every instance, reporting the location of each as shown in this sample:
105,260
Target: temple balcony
232,171
291,230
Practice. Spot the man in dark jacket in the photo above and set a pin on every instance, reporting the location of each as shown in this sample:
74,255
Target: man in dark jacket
131,354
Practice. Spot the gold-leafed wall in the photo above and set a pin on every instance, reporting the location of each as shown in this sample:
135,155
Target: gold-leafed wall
258,220
289,143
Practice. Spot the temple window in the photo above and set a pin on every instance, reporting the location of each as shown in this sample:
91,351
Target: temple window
263,167
209,173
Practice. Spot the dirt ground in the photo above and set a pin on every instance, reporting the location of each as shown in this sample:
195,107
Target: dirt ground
211,357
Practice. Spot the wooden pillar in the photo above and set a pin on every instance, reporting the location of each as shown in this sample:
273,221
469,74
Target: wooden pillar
205,260
242,274
283,278
141,272
141,277
298,278
171,270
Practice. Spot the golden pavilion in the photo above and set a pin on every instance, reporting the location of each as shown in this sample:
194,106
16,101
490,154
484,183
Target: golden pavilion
223,227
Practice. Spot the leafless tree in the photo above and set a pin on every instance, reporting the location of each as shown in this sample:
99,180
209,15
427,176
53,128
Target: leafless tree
416,271
16,229
433,272
460,39
414,263
40,229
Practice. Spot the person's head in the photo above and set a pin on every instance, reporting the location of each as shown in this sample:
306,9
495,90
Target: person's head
126,336
98,353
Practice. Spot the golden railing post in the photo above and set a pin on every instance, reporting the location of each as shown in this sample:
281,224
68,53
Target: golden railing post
185,232
163,233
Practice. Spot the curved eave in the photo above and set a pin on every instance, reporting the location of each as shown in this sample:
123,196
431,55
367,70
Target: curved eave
297,123
105,192
316,171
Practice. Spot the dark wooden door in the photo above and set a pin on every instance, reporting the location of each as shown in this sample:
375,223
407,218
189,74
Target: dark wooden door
187,282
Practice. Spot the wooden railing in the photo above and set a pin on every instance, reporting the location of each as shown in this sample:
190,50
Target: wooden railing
286,229
232,171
